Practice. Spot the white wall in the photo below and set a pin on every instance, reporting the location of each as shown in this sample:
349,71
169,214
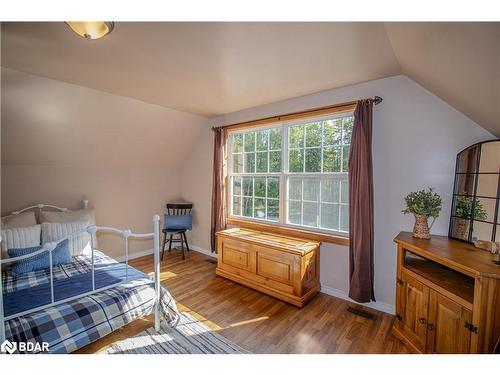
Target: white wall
62,143
415,140
196,186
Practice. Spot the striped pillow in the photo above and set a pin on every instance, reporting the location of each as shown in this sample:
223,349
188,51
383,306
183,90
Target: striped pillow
60,255
78,245
70,216
19,238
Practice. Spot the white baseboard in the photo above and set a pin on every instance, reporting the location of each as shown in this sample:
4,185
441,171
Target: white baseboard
380,306
150,252
203,251
134,255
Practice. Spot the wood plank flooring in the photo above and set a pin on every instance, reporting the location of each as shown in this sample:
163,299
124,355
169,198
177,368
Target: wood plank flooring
257,322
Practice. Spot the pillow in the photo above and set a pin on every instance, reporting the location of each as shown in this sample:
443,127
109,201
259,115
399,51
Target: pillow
24,219
20,238
86,214
78,244
60,255
178,222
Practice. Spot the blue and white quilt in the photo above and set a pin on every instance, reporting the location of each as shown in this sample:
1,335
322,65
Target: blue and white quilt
71,325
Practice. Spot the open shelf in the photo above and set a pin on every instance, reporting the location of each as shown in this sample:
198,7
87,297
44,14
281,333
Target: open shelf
454,282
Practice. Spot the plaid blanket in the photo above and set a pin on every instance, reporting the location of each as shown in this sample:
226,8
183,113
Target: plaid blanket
71,325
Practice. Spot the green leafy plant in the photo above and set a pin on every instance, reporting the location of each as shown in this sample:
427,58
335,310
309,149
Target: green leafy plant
424,202
464,209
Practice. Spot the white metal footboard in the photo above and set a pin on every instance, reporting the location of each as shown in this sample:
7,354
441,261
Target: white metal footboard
92,229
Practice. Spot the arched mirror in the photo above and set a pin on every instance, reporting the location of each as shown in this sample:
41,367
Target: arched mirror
475,213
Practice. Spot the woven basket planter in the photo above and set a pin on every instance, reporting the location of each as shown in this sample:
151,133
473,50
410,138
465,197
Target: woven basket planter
421,227
461,228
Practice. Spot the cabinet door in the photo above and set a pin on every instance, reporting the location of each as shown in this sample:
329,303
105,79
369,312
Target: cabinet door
415,305
447,326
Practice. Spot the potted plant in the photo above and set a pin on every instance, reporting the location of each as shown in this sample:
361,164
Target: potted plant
464,211
423,204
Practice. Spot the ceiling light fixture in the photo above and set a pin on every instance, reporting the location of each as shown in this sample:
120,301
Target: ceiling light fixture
92,30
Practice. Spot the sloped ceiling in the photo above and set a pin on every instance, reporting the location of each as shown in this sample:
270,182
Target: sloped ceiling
47,122
459,62
216,68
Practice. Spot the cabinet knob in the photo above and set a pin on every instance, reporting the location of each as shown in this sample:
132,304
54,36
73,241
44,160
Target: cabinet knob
430,327
422,320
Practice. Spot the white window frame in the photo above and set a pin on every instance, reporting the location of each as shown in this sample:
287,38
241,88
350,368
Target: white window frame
283,175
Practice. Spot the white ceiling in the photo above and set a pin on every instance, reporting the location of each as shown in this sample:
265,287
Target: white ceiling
216,68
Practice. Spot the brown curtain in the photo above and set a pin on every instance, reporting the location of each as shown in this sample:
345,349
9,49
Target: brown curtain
218,186
469,160
361,205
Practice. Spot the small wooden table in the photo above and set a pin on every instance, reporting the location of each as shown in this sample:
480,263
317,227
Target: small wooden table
284,267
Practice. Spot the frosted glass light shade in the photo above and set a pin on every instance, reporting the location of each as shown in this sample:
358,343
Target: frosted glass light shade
92,30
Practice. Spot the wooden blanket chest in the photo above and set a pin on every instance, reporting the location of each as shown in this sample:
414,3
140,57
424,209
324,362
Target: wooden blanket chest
284,267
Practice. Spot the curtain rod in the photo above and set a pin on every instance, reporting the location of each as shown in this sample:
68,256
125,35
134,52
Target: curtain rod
376,100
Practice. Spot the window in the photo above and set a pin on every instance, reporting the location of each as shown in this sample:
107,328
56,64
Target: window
293,173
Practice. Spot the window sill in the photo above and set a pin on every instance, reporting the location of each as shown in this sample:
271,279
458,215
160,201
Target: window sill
286,231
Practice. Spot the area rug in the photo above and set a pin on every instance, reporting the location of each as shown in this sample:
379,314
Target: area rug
190,336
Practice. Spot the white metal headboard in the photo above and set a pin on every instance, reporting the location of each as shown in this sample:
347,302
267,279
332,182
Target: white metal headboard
41,206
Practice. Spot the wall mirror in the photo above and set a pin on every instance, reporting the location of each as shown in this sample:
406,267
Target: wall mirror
475,213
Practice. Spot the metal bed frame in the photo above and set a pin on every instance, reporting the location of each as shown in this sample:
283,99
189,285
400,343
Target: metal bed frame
91,229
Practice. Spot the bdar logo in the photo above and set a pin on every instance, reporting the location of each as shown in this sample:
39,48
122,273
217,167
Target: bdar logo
8,347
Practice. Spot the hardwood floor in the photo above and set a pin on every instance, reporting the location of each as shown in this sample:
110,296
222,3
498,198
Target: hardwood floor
260,323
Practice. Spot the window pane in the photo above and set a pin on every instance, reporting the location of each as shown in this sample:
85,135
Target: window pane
275,139
345,158
348,123
332,159
332,132
236,205
330,190
249,141
236,185
247,207
313,134
260,187
263,140
273,209
273,187
310,217
250,162
296,136
296,162
262,162
313,160
344,186
295,188
311,189
248,186
238,142
238,163
294,212
259,208
330,216
275,161
313,199
344,218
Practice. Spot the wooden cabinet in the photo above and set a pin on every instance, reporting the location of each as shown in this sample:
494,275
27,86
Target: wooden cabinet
447,326
447,296
414,312
283,267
